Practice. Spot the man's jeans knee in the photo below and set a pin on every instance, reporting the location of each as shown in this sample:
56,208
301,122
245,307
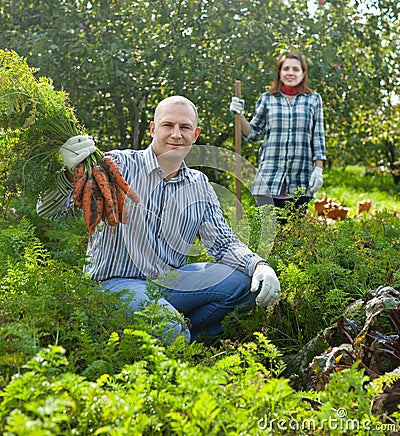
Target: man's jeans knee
136,289
207,292
203,292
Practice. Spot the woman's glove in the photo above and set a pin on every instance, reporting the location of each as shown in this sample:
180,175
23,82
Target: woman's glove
265,277
316,180
237,105
76,150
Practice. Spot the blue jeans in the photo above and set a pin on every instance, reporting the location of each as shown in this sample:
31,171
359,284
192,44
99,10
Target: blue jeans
203,292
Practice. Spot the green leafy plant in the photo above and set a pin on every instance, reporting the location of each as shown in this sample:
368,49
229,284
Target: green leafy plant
74,360
163,394
35,119
38,120
323,268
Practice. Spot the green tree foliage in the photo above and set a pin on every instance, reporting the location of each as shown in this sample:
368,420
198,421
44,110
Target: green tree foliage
117,59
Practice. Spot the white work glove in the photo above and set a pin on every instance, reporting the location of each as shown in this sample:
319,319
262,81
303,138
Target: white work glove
237,105
270,290
316,180
76,150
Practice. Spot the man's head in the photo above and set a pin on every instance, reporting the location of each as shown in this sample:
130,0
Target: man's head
174,129
175,99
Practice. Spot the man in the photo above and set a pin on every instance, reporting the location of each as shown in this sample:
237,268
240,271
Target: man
177,204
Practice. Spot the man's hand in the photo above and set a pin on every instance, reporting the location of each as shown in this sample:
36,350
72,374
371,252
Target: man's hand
76,150
237,105
265,277
316,180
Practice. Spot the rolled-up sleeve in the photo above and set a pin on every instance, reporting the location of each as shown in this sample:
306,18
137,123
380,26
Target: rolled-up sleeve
57,201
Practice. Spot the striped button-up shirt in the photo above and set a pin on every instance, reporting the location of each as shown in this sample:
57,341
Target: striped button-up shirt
162,228
293,139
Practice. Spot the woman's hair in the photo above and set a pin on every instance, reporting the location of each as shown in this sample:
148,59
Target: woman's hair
276,86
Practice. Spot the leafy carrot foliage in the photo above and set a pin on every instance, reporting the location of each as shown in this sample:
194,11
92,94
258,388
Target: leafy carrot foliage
35,119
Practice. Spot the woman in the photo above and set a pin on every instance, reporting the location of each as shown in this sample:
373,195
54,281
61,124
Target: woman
290,117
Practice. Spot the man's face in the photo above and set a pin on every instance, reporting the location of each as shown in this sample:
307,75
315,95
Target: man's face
174,131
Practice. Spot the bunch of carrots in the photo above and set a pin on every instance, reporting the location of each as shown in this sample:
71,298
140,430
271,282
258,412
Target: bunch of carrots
101,191
35,119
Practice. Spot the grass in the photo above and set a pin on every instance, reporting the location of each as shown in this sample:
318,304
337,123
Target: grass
350,185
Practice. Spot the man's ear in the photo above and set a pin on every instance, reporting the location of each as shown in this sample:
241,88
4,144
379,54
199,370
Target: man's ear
152,128
196,134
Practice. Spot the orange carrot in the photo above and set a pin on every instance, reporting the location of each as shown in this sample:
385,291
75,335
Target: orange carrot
92,204
97,206
121,198
101,178
112,210
79,171
86,201
109,194
116,177
80,177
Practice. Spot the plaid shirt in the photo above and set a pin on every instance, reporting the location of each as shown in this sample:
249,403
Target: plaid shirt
293,139
161,230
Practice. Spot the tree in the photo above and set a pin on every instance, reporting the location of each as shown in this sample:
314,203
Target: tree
118,59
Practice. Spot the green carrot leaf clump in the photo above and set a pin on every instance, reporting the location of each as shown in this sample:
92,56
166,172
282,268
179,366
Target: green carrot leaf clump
35,120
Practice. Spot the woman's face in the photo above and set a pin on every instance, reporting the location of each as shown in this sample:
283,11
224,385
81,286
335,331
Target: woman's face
291,73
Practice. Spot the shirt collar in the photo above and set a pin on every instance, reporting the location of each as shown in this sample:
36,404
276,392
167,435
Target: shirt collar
152,164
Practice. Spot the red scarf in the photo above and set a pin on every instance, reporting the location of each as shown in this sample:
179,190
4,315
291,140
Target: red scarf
290,90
